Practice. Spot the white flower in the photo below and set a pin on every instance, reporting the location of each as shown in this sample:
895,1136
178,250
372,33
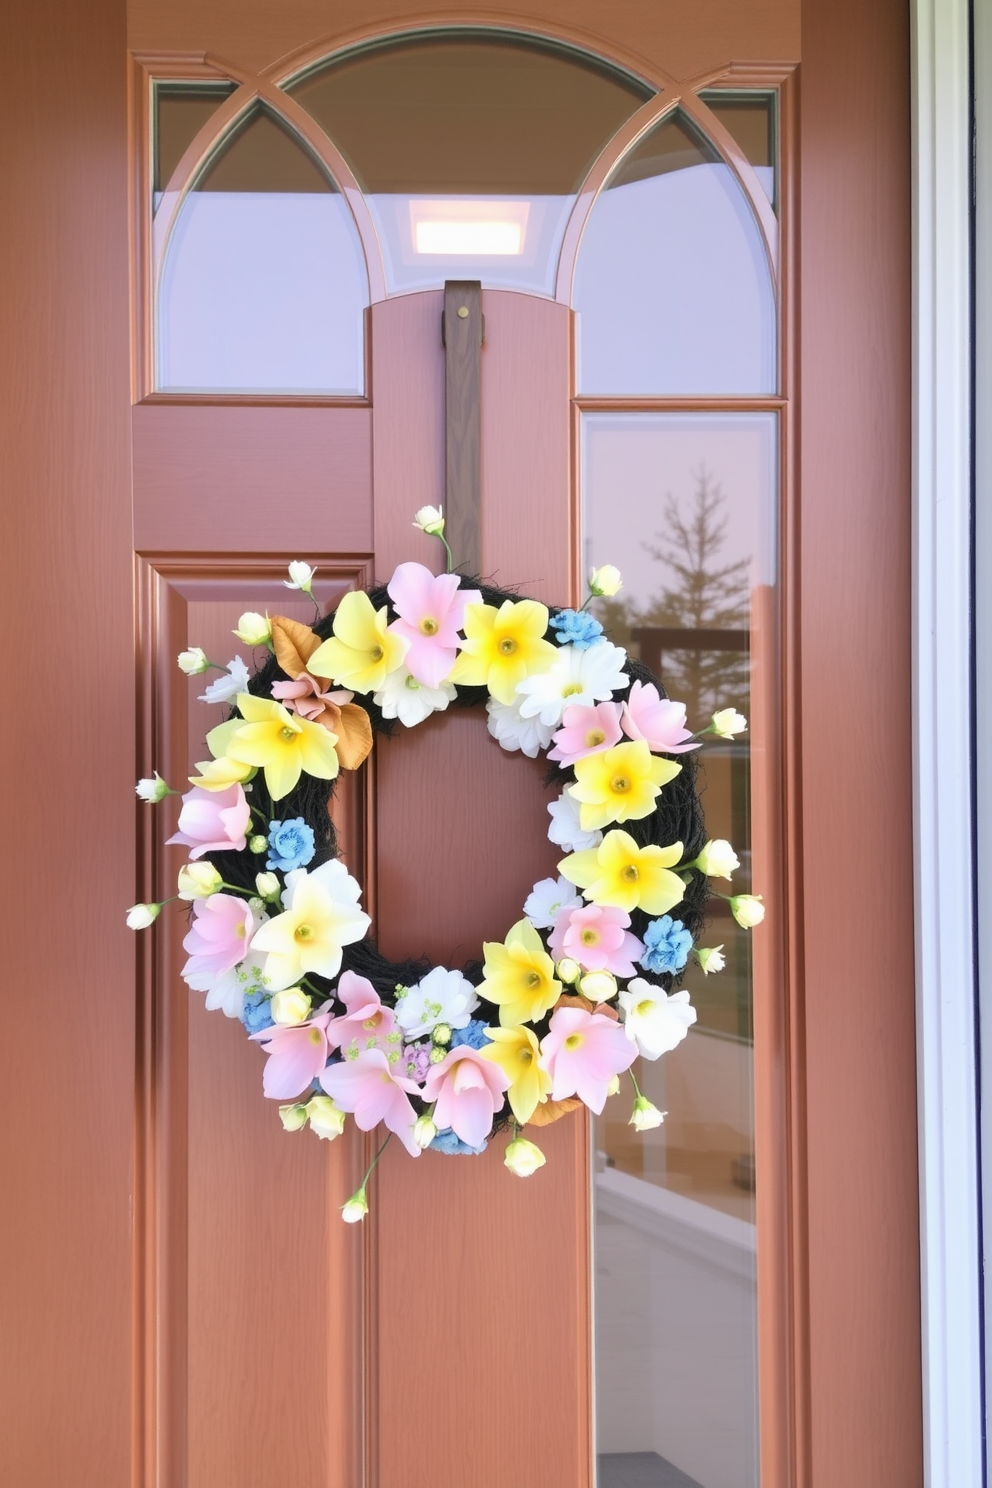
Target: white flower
152,790
320,917
254,629
430,519
198,881
578,676
424,1132
605,580
291,1006
234,680
654,1021
193,661
645,1115
523,1157
140,916
547,898
711,958
728,722
717,859
565,830
512,731
441,996
747,910
402,696
300,576
356,1208
325,1118
293,1117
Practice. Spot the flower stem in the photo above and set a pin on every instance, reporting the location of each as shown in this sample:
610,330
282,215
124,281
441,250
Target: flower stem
633,1081
371,1167
451,558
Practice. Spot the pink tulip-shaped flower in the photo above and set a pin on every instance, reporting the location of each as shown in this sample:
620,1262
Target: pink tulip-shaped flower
582,1052
596,936
585,731
218,937
366,1024
431,612
213,821
656,720
305,695
468,1089
367,1086
296,1056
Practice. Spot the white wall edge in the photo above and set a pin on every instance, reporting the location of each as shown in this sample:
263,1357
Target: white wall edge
945,975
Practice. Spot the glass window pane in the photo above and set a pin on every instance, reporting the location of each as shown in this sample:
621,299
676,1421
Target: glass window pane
672,285
264,285
181,110
685,506
470,150
750,118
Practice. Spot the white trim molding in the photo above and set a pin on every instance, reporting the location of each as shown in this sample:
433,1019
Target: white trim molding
946,980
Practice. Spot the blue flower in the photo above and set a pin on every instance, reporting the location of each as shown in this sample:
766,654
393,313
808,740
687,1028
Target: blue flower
576,628
447,1142
474,1034
667,944
255,1013
290,845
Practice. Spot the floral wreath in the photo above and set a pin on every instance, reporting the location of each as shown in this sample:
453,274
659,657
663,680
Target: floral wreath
582,984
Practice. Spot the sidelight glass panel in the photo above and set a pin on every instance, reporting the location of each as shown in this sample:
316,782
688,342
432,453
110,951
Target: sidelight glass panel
750,118
181,110
469,149
672,288
685,505
264,284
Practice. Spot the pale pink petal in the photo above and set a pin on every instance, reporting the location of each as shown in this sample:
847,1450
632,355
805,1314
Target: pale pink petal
599,724
659,721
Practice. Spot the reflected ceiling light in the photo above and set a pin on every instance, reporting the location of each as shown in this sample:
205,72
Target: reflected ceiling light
466,229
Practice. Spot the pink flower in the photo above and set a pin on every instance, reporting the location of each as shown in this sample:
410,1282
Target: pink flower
656,720
431,611
468,1089
296,1056
213,821
305,695
582,1052
367,1086
366,1024
597,937
586,730
218,937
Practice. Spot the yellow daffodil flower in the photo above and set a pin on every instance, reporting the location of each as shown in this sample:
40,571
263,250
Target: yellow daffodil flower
321,917
503,646
222,771
620,873
619,784
281,743
363,650
520,976
517,1051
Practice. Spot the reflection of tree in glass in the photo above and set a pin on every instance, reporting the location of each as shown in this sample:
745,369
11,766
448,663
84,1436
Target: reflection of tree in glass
704,595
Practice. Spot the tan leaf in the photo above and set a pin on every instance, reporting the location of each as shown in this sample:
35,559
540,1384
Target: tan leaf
354,731
574,999
294,643
553,1111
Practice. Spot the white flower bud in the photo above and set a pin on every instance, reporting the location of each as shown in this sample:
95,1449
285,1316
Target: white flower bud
614,1086
523,1157
356,1208
645,1115
728,722
293,1117
254,629
291,1006
198,881
300,576
140,916
268,886
152,790
711,958
717,859
424,1132
568,970
325,1118
430,520
747,910
193,661
605,581
598,986
258,844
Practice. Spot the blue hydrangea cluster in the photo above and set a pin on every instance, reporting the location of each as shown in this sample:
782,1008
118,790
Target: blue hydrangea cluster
255,1013
291,845
667,944
576,628
447,1142
474,1034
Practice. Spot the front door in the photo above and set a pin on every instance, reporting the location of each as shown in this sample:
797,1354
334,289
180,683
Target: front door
630,203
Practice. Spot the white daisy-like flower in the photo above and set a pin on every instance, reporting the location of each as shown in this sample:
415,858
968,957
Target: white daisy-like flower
653,1020
234,680
566,830
402,696
441,996
512,731
547,898
578,676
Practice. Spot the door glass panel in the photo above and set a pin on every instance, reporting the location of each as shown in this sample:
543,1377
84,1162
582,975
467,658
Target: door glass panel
750,119
181,110
685,504
672,287
264,284
470,150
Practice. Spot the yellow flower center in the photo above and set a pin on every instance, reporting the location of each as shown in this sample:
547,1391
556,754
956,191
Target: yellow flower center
303,932
429,626
574,1041
239,931
571,689
375,653
413,684
619,785
315,1036
629,873
594,737
589,936
525,1056
286,732
373,1022
507,646
533,979
643,1009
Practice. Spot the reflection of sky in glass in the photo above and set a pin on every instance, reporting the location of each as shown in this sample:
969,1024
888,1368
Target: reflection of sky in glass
263,291
673,290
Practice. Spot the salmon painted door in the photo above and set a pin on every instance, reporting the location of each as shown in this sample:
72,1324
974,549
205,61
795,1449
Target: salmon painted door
182,1306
